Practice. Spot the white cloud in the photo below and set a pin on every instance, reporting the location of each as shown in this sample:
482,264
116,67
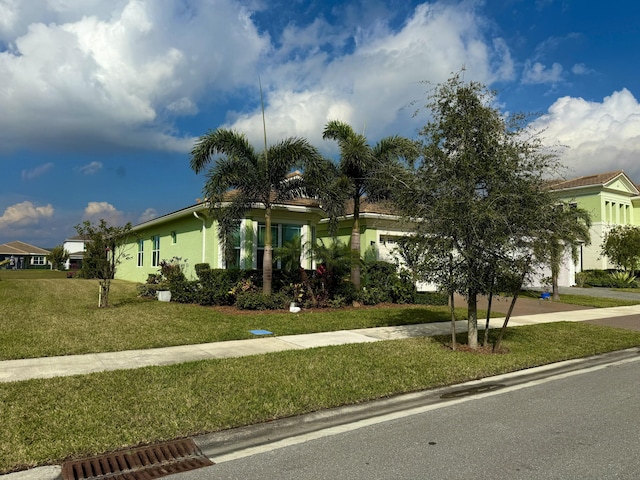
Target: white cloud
24,214
535,73
96,211
91,168
122,73
37,171
600,136
580,69
117,72
148,214
369,86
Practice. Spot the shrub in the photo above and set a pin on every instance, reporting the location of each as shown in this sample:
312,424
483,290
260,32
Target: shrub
385,284
605,278
431,298
201,267
374,295
259,301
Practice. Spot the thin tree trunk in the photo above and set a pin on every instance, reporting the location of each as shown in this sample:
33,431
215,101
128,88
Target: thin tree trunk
453,320
267,261
355,244
103,297
506,319
472,322
554,284
485,341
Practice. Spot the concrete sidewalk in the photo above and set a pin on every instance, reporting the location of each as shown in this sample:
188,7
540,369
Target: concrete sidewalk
24,369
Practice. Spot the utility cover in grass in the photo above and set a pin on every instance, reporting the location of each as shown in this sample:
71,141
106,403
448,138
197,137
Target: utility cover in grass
261,332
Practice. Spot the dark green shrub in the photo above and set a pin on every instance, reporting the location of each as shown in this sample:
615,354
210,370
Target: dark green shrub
259,301
431,298
184,291
387,283
201,267
604,278
374,296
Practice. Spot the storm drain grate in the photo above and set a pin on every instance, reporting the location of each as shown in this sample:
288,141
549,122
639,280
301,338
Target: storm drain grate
144,463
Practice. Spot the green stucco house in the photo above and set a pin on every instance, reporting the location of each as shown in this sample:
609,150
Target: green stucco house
192,235
611,198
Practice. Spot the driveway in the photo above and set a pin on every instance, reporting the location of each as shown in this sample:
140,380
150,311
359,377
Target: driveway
532,306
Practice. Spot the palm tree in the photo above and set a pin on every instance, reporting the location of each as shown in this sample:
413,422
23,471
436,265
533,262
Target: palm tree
242,177
357,175
566,229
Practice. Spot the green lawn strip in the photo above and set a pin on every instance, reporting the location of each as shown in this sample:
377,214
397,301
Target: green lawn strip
48,317
46,421
585,300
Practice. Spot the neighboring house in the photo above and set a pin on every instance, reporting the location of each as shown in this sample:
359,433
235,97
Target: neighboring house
611,198
76,247
19,255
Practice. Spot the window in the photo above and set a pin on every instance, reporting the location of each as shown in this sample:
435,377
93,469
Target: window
155,254
279,235
262,233
140,253
37,260
174,238
235,241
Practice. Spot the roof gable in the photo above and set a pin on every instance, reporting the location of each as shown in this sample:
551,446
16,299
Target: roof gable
617,181
21,248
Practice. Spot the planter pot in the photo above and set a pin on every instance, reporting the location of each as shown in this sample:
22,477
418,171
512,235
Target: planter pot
164,295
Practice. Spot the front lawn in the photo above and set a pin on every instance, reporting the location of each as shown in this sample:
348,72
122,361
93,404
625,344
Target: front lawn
47,316
46,421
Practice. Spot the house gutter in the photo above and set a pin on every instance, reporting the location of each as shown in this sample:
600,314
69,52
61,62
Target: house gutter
204,238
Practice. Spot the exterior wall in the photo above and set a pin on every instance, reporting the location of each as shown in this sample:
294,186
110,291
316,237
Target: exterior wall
608,206
191,244
195,244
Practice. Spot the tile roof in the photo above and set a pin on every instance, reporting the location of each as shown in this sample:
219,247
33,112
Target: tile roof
588,180
21,248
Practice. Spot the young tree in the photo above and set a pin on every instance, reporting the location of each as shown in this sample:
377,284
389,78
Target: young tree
357,175
243,177
105,249
622,245
479,188
58,257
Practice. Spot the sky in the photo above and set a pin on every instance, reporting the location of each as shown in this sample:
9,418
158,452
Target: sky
101,101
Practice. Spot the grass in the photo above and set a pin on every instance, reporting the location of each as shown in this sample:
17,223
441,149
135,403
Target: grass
46,421
44,316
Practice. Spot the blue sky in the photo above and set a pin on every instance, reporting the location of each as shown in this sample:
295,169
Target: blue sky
102,100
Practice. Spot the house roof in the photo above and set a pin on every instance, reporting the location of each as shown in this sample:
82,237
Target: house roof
21,248
589,180
77,238
382,208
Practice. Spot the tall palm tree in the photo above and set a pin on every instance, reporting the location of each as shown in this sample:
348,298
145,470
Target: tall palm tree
358,174
242,177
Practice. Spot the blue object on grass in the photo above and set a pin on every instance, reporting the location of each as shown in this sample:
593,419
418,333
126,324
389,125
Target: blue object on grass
545,295
261,332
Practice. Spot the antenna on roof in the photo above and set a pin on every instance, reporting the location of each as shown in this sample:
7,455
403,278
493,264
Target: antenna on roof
264,123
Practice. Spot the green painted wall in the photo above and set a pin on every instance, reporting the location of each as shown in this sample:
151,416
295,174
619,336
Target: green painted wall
188,243
187,246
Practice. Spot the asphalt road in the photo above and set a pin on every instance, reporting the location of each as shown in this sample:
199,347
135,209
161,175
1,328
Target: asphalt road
577,424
